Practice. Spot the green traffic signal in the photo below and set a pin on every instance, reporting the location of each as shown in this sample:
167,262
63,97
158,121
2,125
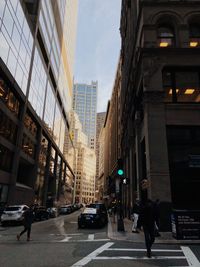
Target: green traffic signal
120,172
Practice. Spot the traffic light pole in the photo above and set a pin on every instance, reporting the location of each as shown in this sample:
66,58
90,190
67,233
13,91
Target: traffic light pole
120,222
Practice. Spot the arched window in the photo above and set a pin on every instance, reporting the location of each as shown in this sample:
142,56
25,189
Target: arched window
165,36
194,35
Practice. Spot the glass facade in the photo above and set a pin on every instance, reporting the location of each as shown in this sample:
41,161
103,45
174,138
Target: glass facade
35,90
16,41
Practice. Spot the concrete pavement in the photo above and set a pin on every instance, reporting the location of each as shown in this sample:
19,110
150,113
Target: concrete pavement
127,235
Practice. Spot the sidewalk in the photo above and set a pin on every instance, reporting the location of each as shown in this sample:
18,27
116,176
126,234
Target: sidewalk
127,235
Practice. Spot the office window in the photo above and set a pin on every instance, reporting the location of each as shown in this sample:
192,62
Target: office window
165,35
181,86
194,35
6,157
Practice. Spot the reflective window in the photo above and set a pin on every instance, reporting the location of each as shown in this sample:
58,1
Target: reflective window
57,124
16,43
181,86
8,97
49,108
38,85
28,146
30,125
43,152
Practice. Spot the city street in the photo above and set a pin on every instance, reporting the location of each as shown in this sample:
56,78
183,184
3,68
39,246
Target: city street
59,243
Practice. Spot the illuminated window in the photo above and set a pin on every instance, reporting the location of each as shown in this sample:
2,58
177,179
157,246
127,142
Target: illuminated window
181,86
194,31
165,36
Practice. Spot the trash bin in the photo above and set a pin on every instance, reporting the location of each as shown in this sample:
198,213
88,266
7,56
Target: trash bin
185,224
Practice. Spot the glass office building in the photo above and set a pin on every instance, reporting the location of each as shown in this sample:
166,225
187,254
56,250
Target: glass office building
36,70
85,105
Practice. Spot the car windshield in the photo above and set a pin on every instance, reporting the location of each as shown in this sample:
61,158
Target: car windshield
12,208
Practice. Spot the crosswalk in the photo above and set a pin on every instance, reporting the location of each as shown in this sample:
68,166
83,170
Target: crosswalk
184,255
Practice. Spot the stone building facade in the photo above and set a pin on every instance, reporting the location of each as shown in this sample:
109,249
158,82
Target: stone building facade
160,102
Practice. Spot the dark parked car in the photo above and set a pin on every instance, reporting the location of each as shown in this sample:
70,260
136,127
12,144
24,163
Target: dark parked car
66,209
41,213
92,217
53,212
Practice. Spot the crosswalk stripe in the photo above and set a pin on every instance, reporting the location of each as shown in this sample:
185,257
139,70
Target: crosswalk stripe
191,258
92,255
141,249
139,258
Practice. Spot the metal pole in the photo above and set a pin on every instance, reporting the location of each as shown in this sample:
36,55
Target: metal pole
120,222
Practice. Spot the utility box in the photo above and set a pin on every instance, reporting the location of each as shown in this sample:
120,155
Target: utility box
186,224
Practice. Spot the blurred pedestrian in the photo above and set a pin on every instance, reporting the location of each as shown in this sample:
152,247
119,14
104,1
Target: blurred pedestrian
27,222
114,212
148,223
135,216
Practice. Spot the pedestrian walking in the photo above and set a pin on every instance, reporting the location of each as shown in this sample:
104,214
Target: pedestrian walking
135,216
27,222
157,217
148,223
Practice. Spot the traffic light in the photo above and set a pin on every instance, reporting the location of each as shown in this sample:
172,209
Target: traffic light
120,170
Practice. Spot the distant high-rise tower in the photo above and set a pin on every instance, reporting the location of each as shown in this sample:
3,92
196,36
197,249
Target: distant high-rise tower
85,105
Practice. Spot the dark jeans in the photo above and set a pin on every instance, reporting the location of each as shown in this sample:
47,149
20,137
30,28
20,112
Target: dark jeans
149,234
26,229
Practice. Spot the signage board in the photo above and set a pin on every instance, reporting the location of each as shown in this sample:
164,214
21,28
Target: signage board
186,224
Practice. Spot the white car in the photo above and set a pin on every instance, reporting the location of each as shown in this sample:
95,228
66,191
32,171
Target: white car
13,214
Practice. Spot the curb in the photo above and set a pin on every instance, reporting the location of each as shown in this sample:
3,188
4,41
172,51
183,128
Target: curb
125,236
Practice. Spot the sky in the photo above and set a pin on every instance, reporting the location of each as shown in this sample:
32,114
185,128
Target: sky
98,46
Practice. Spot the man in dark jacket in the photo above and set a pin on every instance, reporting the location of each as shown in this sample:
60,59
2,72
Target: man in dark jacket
148,223
28,220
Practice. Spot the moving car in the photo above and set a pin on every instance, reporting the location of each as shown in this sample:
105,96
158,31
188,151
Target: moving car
92,217
13,214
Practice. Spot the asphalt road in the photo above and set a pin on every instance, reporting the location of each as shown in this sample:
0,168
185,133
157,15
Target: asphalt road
59,243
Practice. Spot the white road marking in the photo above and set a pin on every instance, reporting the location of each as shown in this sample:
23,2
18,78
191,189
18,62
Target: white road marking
90,237
94,240
191,258
66,239
76,234
92,255
141,249
140,258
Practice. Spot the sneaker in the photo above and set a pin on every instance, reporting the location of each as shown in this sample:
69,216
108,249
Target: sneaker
18,237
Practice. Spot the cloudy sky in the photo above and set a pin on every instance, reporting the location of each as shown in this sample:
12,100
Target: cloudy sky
98,45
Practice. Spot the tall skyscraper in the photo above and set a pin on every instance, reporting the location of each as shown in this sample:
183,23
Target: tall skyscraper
85,105
36,70
100,123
